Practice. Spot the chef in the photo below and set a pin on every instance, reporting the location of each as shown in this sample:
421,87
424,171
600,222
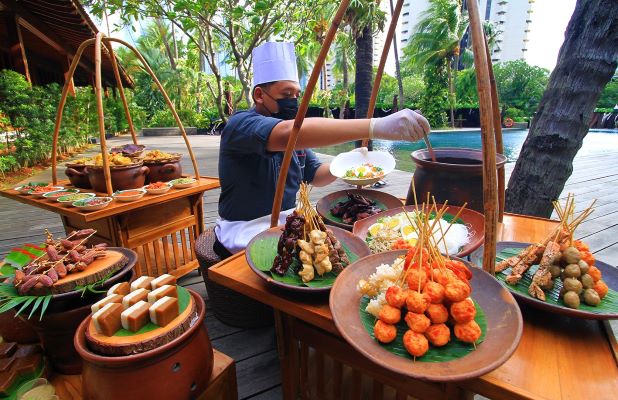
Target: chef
253,143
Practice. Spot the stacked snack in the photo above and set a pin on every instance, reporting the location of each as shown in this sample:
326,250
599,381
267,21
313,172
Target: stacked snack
306,238
146,300
428,290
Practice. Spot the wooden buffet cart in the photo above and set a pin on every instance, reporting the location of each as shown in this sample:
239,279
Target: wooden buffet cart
558,357
162,228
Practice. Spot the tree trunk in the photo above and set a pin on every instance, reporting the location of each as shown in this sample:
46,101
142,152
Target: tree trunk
346,81
451,93
398,67
363,73
586,62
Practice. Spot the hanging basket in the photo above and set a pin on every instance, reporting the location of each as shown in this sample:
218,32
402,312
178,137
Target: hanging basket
102,42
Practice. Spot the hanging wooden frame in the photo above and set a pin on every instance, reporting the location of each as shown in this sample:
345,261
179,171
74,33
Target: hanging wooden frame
99,41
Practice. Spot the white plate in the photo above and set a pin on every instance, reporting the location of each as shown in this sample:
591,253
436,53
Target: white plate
352,159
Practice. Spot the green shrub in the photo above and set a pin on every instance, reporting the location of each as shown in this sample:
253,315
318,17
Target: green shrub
7,164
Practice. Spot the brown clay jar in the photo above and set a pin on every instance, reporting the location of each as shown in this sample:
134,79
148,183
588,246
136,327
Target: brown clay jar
456,176
163,171
123,177
78,176
179,369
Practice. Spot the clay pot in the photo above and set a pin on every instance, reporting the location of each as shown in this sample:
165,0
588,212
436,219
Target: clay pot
123,178
56,331
163,172
456,176
179,369
16,330
78,176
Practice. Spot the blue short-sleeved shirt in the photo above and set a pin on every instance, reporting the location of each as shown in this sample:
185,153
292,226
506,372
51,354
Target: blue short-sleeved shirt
249,173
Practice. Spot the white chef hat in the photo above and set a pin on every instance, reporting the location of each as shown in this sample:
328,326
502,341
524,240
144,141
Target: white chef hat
274,61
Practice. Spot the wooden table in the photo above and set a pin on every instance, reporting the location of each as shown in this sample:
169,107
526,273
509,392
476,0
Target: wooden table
221,386
161,228
558,357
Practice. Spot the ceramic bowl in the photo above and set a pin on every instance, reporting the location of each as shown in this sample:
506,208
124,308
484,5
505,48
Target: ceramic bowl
183,182
41,194
70,199
129,195
162,190
25,189
85,204
353,159
60,193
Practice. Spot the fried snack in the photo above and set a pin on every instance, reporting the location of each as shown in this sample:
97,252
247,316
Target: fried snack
416,302
415,343
463,311
438,334
114,159
457,290
434,291
442,276
417,322
468,332
594,272
155,155
416,278
601,288
383,332
395,296
389,314
437,313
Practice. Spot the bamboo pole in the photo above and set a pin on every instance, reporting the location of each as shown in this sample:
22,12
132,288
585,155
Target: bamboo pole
110,49
98,91
167,100
302,111
385,50
63,99
497,131
490,196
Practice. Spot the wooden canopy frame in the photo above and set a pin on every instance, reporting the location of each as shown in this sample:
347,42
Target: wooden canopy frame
491,131
98,41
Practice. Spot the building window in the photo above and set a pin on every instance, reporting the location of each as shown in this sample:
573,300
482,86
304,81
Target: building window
404,32
406,14
405,22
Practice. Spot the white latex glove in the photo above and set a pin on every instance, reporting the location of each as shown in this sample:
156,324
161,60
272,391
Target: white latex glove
403,125
362,150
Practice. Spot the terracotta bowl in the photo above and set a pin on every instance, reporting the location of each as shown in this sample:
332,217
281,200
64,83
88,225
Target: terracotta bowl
179,369
78,176
123,178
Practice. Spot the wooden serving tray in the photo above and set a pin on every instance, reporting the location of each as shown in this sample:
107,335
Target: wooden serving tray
94,272
119,345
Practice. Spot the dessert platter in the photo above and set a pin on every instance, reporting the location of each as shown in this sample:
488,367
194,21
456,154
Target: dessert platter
424,314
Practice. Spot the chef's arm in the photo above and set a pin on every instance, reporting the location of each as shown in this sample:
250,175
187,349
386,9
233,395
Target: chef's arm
323,176
318,132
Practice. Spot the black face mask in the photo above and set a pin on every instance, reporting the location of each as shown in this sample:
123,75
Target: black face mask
288,107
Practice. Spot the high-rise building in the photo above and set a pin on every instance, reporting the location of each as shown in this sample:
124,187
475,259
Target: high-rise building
511,19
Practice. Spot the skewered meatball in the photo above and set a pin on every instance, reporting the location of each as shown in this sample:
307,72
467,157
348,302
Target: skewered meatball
591,297
389,314
434,291
415,343
441,276
571,255
463,311
437,313
571,299
468,332
416,302
417,322
383,332
595,273
457,290
416,279
438,334
395,296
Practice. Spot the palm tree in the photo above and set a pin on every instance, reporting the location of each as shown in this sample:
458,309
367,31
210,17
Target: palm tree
434,48
343,65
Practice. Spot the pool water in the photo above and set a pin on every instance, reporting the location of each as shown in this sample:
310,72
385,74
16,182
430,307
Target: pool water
597,141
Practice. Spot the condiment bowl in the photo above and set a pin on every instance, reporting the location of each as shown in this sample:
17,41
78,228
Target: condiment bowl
129,195
25,189
72,198
161,190
41,194
85,204
181,183
60,193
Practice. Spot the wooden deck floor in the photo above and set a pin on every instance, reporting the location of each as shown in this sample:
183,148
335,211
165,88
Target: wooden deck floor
594,177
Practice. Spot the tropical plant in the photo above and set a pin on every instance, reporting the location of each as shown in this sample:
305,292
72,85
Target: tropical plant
586,62
609,95
433,50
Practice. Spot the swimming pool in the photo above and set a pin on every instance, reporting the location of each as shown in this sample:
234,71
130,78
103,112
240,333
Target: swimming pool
597,141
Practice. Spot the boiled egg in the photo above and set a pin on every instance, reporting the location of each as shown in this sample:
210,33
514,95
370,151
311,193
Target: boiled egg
408,232
375,228
392,223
